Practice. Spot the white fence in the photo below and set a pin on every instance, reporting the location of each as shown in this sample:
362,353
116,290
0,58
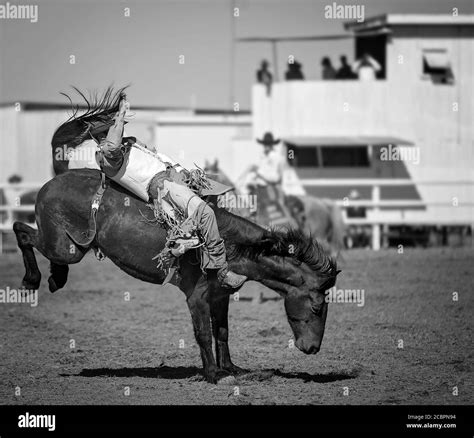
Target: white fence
375,204
377,222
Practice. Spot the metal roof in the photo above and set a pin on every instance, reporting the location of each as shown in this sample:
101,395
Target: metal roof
346,140
410,20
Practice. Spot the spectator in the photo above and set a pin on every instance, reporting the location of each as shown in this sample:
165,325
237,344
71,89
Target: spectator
328,70
264,76
15,179
294,71
345,70
366,68
357,235
356,211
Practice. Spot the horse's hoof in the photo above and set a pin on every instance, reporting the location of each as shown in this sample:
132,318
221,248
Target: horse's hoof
53,287
211,377
30,285
235,370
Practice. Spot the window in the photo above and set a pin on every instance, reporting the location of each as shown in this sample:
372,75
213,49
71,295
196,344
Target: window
328,156
437,66
304,156
343,156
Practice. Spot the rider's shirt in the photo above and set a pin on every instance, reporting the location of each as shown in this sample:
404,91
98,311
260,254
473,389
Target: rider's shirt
270,168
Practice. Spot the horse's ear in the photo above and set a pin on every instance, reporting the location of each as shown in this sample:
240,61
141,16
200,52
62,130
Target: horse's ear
216,163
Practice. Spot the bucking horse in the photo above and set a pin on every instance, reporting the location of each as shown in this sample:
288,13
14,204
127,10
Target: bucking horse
289,263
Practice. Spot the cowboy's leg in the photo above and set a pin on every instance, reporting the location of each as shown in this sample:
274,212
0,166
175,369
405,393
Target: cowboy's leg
214,255
157,192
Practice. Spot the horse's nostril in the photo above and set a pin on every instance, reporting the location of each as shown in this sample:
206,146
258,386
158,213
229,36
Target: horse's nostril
313,349
307,349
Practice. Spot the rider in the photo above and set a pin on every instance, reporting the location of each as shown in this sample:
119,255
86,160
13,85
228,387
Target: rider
269,171
117,158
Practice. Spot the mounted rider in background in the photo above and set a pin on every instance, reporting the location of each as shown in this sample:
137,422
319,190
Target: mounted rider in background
268,172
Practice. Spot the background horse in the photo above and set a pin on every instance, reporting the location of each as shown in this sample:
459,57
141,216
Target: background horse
320,218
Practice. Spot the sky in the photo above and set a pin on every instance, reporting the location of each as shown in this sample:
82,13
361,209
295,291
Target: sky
145,48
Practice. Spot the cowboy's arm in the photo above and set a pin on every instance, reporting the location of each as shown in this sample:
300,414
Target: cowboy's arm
111,146
373,62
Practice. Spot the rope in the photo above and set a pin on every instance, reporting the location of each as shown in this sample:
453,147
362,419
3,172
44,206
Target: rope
196,179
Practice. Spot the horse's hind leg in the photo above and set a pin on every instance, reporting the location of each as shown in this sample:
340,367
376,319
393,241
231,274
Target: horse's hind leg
27,238
59,249
58,277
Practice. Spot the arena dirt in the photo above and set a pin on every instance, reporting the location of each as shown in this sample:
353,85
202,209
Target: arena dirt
142,350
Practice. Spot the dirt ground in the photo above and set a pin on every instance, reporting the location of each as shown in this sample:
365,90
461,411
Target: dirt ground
143,351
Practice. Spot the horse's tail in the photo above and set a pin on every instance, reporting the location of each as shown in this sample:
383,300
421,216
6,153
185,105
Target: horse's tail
336,239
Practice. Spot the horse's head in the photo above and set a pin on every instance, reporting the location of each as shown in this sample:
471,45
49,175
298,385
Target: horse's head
306,309
301,271
211,168
296,208
215,172
304,291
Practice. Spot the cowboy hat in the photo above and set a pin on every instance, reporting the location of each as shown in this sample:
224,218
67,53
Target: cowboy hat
268,140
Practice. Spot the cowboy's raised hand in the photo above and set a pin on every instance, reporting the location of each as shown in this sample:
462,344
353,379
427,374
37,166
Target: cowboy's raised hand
124,106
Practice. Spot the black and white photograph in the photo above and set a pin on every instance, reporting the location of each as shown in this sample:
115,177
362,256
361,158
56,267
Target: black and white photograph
236,211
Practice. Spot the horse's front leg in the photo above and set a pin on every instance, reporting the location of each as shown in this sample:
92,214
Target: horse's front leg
200,313
219,302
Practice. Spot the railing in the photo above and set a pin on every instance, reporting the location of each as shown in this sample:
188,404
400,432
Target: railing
6,226
374,204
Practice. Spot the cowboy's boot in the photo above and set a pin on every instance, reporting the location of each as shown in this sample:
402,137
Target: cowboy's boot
230,279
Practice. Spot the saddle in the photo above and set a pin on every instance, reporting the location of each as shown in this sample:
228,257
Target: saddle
272,211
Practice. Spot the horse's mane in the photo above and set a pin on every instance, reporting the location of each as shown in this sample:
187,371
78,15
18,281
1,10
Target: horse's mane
74,130
251,241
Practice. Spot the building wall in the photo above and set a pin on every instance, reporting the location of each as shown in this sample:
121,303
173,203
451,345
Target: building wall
404,105
193,141
445,136
25,143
